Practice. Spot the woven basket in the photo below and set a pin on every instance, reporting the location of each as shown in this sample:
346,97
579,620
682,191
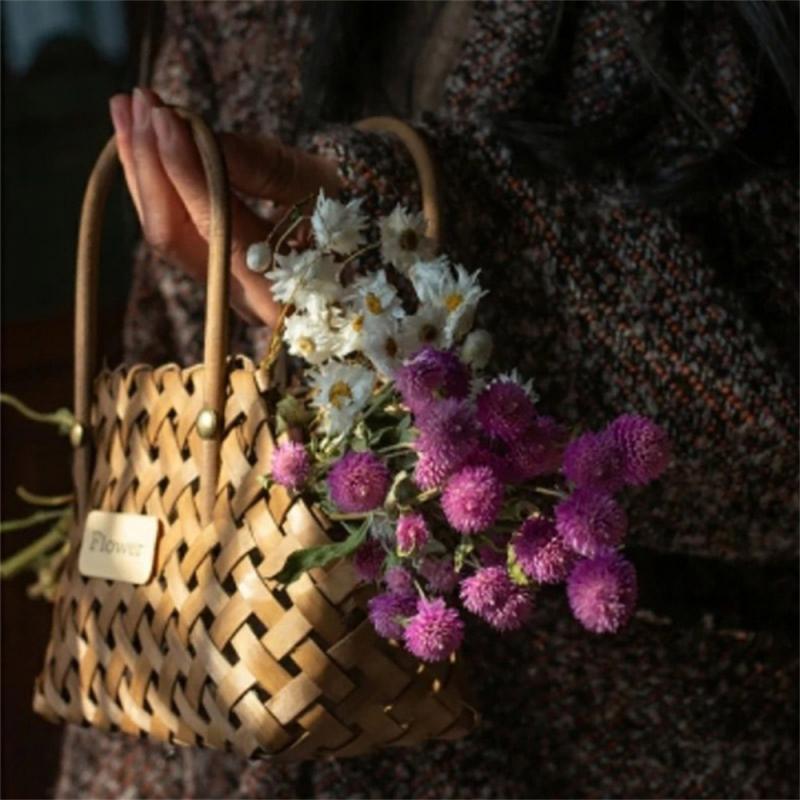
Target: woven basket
210,651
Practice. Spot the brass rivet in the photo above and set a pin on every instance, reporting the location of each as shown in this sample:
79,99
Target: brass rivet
207,423
77,434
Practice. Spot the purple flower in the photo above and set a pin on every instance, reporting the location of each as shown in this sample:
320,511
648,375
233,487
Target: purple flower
495,598
645,448
515,611
504,410
541,553
485,590
435,632
290,465
431,375
358,482
602,592
539,450
484,455
447,432
590,521
472,499
388,612
439,573
368,560
594,460
399,581
412,533
430,473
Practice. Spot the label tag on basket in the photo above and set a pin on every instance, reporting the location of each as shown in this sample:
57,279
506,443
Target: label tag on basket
118,547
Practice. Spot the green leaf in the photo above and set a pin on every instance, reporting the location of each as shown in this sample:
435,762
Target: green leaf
292,411
461,553
515,570
303,560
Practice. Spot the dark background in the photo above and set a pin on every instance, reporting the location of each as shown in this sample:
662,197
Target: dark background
55,120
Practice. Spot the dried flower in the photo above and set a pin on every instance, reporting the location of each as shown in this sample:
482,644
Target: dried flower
602,592
590,521
439,573
338,227
388,613
359,482
472,499
594,460
412,533
504,410
541,552
435,632
290,465
342,390
539,450
431,375
399,580
403,239
491,595
645,448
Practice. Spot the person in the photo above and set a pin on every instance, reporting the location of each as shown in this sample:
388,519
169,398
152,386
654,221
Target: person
625,176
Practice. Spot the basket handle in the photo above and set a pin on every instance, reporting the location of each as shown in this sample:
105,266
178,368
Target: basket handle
216,321
217,290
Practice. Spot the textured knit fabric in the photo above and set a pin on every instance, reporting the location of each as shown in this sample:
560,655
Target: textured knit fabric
610,308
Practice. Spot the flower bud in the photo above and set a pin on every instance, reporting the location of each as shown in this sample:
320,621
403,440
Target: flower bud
477,349
259,257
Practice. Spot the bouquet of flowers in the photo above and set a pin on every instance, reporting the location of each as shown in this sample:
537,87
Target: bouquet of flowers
455,495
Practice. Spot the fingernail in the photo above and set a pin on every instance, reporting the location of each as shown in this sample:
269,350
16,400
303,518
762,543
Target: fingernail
120,112
141,109
164,125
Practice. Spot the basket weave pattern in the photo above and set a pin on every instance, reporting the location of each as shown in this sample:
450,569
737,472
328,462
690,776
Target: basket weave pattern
210,651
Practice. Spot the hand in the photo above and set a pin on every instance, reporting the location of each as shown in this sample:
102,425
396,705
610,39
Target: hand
165,178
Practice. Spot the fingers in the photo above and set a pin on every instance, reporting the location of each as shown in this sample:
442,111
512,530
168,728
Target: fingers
121,116
182,164
266,168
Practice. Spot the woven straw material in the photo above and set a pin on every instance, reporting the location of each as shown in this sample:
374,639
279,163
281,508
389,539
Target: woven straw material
211,651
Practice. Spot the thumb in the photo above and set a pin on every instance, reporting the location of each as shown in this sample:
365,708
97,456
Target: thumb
264,167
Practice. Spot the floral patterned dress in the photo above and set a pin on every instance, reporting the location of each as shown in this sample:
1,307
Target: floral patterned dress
610,308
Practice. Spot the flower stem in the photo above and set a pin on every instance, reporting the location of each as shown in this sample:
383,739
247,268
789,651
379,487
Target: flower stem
19,561
63,417
550,492
29,522
358,253
44,500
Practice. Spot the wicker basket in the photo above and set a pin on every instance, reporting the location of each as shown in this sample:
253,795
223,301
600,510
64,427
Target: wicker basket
210,651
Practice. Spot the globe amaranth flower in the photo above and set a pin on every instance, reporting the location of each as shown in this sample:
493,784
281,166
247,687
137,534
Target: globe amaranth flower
495,598
447,436
388,613
412,533
472,499
431,375
430,473
541,552
538,451
368,560
399,581
645,448
290,465
590,521
492,455
439,573
359,482
504,410
602,592
434,632
595,460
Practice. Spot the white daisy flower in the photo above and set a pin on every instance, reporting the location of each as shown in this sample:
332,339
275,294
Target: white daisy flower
374,295
382,343
300,275
342,390
403,239
310,336
515,377
427,327
427,278
338,227
350,333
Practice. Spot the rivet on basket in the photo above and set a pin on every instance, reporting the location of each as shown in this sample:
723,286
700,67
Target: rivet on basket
207,422
77,434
